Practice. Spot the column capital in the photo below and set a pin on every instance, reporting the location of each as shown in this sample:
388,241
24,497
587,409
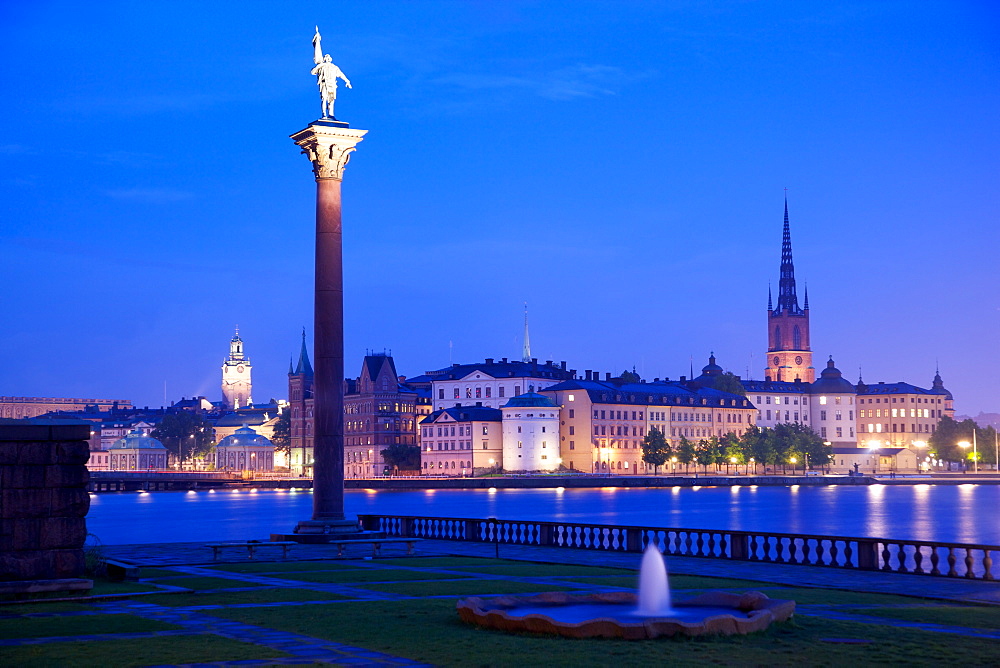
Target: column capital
328,147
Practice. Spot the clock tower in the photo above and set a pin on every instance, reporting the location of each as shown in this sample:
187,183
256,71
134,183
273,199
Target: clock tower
789,357
236,383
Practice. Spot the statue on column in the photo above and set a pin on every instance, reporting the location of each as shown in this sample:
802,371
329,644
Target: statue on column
326,76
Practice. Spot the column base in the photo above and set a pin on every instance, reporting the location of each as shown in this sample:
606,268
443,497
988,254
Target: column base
324,531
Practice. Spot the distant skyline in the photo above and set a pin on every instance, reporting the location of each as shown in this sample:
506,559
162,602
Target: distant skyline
618,166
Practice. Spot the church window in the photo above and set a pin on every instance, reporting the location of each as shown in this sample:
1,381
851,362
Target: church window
777,337
797,338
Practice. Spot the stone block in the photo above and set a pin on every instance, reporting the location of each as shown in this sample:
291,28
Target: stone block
26,532
62,533
27,504
8,453
36,454
66,475
69,563
27,565
22,477
73,452
69,502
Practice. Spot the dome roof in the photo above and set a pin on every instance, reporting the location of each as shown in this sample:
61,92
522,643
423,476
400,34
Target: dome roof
831,381
245,437
530,400
135,440
711,369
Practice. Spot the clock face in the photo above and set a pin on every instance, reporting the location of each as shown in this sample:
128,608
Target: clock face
798,359
776,360
239,369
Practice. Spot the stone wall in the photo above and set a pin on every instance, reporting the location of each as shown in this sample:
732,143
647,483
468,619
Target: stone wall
43,500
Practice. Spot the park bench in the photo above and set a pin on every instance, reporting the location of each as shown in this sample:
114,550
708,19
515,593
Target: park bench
376,544
119,570
251,546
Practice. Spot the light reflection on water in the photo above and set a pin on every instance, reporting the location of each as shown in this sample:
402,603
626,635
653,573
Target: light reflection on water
945,513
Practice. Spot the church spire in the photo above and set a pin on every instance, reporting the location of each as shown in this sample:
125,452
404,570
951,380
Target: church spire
304,367
526,353
769,306
787,300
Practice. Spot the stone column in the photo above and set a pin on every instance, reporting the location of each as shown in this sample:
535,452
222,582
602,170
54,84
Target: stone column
328,145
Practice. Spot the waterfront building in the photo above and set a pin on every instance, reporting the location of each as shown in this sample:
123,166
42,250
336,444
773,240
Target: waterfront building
530,434
491,383
136,452
602,424
244,450
789,356
899,415
875,460
379,411
29,407
236,381
300,403
259,416
827,405
461,440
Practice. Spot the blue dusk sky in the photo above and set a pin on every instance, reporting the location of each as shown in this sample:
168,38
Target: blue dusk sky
620,166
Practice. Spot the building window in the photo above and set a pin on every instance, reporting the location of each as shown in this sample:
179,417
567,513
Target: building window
479,393
840,432
468,392
517,390
822,432
457,395
441,393
488,391
572,397
572,445
822,414
572,413
837,415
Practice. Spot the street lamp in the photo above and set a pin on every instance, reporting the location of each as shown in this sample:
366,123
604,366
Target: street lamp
965,446
673,465
793,460
754,462
732,460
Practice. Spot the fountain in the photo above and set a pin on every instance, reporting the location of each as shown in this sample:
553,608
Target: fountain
647,614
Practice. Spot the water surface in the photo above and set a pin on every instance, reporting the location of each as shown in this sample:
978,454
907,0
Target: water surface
944,513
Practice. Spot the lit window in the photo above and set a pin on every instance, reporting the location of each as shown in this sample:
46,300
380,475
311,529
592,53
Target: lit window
822,401
572,397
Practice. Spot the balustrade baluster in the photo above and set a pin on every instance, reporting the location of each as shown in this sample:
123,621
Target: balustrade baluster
969,561
951,563
918,559
901,568
886,556
700,545
935,560
834,553
987,565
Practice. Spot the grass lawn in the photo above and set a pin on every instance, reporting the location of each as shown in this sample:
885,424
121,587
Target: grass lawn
677,582
462,588
838,597
285,566
370,575
546,570
430,631
43,607
444,562
241,597
196,583
150,572
980,617
144,652
107,588
50,627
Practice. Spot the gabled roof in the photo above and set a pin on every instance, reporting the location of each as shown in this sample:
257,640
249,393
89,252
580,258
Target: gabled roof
892,388
465,414
497,369
657,392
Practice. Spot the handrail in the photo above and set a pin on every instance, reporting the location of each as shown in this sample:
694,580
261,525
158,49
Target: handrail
968,560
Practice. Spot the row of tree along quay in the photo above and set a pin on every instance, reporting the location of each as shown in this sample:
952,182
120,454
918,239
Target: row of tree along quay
951,442
785,448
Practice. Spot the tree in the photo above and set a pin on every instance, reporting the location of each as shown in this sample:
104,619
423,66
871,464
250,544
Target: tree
949,433
184,434
282,435
732,453
708,451
627,377
655,449
729,382
686,452
402,457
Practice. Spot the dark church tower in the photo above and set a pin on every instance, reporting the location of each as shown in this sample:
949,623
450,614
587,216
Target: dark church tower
789,356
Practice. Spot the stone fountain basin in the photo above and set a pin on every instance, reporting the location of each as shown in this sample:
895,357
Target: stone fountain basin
720,614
